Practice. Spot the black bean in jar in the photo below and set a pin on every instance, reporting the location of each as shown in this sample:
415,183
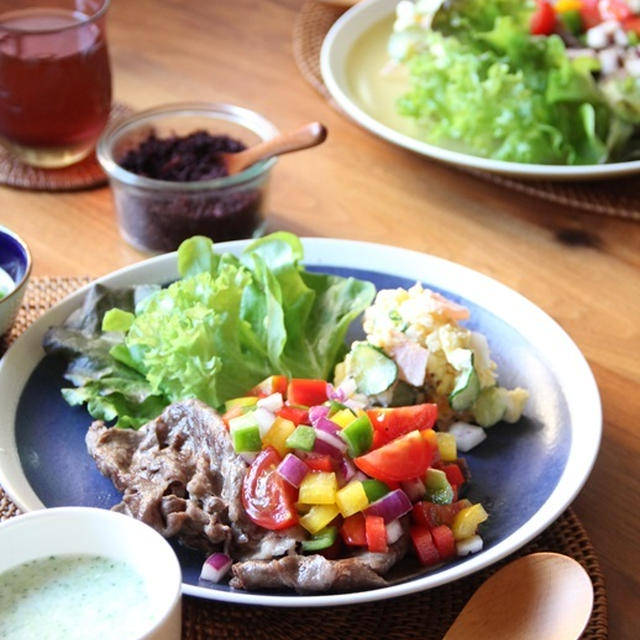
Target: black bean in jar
160,219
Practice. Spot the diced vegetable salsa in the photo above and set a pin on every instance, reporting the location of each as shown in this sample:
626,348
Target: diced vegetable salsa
351,478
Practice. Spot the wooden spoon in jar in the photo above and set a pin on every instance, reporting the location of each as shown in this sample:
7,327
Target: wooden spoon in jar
542,596
308,136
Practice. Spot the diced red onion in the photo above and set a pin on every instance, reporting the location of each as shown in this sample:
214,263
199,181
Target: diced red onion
469,545
265,420
394,531
327,444
336,394
343,391
346,470
328,426
293,470
415,489
467,435
391,506
271,403
317,412
215,567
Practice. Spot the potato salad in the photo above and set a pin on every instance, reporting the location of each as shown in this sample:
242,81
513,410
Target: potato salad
416,350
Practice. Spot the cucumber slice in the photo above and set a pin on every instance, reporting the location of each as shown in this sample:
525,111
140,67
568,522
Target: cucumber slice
467,385
490,406
373,371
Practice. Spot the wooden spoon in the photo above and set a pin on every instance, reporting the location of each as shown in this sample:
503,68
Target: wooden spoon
308,136
542,596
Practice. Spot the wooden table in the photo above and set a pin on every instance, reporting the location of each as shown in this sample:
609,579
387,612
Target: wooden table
584,270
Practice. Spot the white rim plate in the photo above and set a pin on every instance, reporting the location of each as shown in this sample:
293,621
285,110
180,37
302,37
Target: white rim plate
333,57
544,334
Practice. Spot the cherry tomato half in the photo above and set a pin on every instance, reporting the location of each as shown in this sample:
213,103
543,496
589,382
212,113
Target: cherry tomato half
543,20
267,497
389,424
404,458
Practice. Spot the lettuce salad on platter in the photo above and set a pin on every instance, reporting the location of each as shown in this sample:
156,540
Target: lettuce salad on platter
522,80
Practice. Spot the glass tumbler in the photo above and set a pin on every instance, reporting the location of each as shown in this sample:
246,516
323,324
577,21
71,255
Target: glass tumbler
55,79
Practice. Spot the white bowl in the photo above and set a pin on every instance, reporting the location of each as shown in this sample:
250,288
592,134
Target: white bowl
15,260
98,532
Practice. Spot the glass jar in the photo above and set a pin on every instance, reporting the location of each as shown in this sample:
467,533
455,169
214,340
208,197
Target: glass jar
157,215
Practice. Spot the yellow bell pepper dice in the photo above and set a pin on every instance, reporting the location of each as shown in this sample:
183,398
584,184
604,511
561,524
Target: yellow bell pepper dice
318,487
447,446
277,436
351,499
562,6
343,418
318,517
466,521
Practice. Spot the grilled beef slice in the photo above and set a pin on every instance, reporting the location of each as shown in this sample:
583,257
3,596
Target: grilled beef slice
180,474
317,573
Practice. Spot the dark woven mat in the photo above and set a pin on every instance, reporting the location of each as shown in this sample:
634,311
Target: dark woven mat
85,174
619,197
422,616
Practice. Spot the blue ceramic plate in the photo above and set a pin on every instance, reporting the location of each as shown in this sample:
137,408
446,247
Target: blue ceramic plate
525,474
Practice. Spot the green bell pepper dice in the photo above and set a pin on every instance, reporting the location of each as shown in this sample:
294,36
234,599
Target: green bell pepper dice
246,439
302,438
358,435
374,489
321,540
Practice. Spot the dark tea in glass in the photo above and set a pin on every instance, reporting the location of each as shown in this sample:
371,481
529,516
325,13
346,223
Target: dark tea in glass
55,79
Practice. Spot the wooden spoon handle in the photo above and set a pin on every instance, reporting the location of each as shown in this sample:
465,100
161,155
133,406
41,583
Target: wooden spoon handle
307,136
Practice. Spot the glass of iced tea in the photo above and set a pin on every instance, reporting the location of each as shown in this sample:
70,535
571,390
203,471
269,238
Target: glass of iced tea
55,79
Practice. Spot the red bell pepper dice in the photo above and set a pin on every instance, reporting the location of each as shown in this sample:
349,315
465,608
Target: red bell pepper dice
424,546
319,462
444,541
590,13
307,393
297,415
389,424
432,515
353,531
376,534
272,384
453,473
632,24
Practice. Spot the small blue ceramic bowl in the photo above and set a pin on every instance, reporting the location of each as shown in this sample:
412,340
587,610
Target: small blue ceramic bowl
15,268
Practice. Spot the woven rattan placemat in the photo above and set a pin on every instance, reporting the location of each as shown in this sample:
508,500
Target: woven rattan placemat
423,616
619,198
85,174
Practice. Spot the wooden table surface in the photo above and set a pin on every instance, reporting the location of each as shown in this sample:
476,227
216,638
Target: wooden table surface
582,269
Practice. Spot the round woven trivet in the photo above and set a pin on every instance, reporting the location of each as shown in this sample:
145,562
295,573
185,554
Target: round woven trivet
85,174
619,198
423,616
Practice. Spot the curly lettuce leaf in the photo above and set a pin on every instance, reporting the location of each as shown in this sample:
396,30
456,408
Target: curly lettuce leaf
228,323
111,389
482,84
